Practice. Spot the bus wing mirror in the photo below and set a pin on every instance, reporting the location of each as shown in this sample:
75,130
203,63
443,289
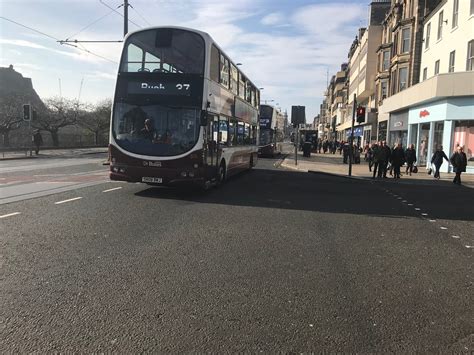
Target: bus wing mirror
203,118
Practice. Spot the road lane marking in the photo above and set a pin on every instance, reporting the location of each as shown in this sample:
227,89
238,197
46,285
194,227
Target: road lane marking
418,209
455,236
443,228
469,246
410,204
10,214
115,188
71,199
404,201
432,220
424,214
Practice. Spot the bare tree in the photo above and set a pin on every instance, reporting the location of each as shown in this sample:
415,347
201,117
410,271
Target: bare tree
59,113
96,119
11,106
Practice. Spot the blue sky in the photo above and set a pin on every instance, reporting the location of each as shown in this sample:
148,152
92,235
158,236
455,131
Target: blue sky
284,46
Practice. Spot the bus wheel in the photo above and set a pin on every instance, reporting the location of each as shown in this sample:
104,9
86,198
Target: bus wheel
221,174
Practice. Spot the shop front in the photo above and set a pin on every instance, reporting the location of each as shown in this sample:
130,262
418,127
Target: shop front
358,135
444,123
398,129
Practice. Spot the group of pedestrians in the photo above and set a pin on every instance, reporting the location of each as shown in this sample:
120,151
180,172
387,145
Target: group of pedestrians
382,159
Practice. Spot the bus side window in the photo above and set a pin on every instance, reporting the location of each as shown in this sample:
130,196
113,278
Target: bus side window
223,131
247,133
240,133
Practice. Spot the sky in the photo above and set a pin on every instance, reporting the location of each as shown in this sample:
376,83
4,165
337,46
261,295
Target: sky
285,46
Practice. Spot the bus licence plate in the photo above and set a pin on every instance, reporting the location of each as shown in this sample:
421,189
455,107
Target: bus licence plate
152,179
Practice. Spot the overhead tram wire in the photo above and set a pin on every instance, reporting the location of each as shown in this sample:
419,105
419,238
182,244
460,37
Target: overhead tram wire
57,39
118,7
91,24
143,18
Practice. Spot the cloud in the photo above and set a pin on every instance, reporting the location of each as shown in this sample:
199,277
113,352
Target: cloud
272,19
21,43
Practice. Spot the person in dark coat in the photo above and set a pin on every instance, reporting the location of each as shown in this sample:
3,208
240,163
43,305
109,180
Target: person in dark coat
387,152
37,140
437,160
345,152
459,161
397,159
410,156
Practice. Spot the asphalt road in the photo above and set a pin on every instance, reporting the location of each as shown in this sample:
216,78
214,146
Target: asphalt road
271,261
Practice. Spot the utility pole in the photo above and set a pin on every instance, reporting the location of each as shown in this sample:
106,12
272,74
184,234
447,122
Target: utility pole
125,17
351,146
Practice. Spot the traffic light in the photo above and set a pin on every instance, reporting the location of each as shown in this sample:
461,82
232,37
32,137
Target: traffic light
360,114
26,112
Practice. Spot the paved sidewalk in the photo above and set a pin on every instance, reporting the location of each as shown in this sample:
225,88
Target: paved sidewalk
332,164
52,153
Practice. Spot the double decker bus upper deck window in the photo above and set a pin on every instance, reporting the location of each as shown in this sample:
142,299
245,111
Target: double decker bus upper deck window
164,50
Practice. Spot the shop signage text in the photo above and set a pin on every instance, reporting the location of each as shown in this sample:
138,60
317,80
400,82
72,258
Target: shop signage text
424,113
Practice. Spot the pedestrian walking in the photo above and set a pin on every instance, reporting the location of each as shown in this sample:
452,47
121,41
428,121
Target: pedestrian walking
385,155
459,161
37,140
437,160
410,156
397,159
370,156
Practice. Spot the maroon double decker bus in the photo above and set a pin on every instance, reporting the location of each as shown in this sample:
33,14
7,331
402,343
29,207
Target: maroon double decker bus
182,112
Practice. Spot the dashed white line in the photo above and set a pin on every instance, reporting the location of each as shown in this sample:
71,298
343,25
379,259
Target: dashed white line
115,188
432,220
455,236
64,201
469,246
418,209
404,201
10,214
424,214
443,228
410,204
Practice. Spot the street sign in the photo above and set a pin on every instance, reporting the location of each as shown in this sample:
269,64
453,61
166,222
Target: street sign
26,112
298,115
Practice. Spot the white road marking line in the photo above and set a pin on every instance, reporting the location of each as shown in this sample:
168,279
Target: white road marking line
443,228
399,198
410,204
418,209
455,236
404,201
432,220
71,199
115,188
10,214
424,214
469,246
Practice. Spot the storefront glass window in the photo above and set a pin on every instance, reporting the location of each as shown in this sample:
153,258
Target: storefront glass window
414,134
438,136
464,136
423,143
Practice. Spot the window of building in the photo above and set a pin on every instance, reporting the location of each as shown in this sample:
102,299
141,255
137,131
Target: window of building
425,74
383,90
395,45
393,82
451,61
470,55
386,60
440,25
436,72
406,40
402,79
455,13
427,37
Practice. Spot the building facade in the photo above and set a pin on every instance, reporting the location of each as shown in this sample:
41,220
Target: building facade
399,55
439,111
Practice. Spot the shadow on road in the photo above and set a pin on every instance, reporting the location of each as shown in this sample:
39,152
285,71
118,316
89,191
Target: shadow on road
330,194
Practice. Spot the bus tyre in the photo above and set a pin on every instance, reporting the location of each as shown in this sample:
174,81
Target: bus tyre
221,174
